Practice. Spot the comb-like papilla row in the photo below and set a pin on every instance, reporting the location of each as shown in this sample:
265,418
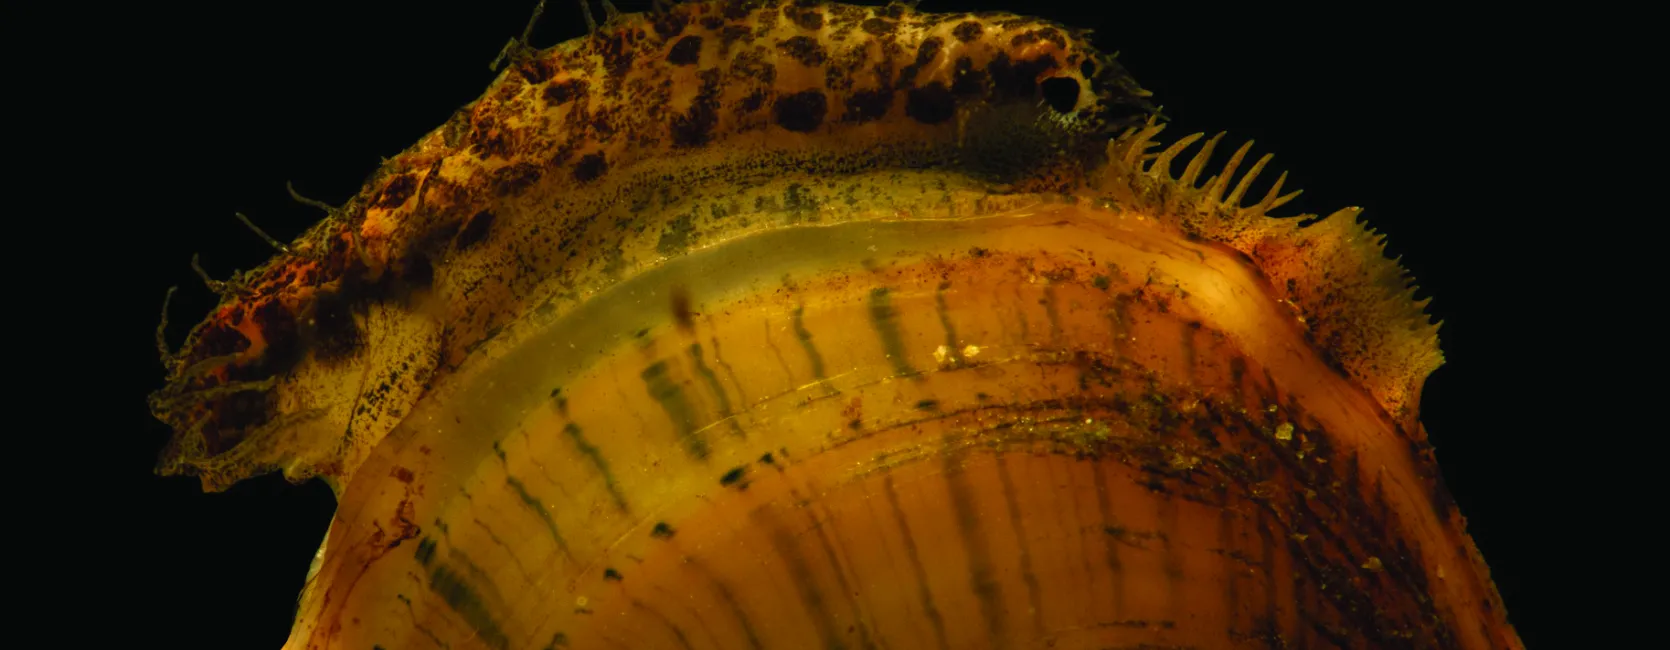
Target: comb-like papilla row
1358,306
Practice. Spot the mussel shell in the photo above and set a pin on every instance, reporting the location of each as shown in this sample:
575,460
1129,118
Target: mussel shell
771,366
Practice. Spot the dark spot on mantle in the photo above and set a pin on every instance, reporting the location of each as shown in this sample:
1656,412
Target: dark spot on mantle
967,81
670,23
751,103
931,104
476,230
415,273
515,179
808,19
801,112
218,340
563,92
279,330
591,166
1018,79
733,477
332,331
686,51
694,127
868,105
397,191
929,49
1062,93
733,33
968,30
617,52
804,49
536,70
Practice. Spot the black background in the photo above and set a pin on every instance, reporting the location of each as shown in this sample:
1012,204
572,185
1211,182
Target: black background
210,110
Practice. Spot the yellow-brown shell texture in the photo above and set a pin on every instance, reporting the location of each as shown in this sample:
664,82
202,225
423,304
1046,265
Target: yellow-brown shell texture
790,325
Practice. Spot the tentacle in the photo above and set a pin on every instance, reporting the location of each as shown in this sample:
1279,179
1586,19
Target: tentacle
1162,164
163,353
1198,163
276,244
